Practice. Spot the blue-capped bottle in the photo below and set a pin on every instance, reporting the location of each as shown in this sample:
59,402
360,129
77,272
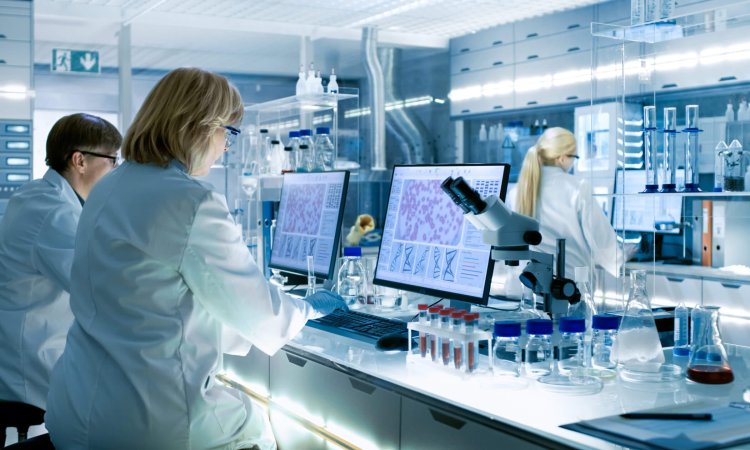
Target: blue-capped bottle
506,349
325,152
352,278
538,350
570,348
605,328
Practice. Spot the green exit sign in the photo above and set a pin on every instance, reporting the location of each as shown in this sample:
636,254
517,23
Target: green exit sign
77,61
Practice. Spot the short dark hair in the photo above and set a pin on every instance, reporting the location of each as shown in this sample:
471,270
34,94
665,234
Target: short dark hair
78,132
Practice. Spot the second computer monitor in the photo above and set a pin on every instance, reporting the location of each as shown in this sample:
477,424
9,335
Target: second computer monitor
309,222
646,213
427,245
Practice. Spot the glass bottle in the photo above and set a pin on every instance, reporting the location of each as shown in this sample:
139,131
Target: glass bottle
264,161
288,164
721,147
306,156
604,335
570,348
538,347
734,167
637,346
324,150
708,360
351,277
506,349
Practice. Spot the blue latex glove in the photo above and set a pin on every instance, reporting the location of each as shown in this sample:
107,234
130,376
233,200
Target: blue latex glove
325,302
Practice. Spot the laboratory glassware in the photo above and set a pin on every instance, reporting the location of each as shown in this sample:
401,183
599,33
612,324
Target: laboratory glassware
681,337
692,178
324,149
333,86
434,316
570,348
264,160
721,147
307,151
637,346
289,162
310,276
301,87
506,349
276,276
424,319
538,347
457,323
669,165
352,278
734,167
650,149
444,342
471,349
604,335
708,359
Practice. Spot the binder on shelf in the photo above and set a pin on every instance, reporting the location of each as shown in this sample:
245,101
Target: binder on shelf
718,231
706,233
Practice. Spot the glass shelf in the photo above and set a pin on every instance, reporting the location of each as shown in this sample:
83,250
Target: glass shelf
682,194
307,102
724,18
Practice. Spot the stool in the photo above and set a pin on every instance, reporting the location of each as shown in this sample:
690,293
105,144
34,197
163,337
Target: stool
41,442
19,416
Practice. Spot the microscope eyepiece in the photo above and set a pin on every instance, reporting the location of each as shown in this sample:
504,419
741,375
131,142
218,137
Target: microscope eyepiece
446,187
468,196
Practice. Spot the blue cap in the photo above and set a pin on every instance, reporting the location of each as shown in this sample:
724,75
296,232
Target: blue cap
322,130
507,329
293,134
538,326
305,132
605,322
681,351
572,325
352,251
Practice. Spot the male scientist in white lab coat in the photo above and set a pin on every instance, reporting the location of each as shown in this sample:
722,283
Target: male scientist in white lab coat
37,235
163,285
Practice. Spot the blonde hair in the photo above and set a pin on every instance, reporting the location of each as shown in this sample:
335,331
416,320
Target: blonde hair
179,118
552,144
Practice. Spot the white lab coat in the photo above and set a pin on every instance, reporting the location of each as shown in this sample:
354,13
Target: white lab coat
37,235
566,209
162,282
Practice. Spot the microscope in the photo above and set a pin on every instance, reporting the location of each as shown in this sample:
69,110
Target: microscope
510,234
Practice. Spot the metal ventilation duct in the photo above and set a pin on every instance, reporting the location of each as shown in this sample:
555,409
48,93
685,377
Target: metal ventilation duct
377,96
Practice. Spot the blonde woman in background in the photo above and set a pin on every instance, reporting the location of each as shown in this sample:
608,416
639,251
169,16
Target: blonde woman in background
564,205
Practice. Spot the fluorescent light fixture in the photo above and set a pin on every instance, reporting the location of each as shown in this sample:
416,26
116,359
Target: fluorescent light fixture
418,101
407,6
390,106
439,101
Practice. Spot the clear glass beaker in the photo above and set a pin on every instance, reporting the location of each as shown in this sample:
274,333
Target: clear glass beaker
708,357
637,346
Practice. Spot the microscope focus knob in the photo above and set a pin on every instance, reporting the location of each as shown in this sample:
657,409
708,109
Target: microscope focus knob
532,237
563,288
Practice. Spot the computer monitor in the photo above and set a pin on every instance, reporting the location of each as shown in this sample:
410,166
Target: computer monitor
309,222
648,213
427,245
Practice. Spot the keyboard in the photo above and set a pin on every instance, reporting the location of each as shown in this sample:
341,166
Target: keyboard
358,325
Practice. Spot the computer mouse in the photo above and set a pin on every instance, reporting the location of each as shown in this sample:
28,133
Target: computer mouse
393,342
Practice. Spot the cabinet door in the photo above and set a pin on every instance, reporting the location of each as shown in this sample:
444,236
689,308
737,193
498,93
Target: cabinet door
251,369
500,55
553,23
13,27
348,406
578,40
15,53
495,36
734,299
668,290
426,427
553,80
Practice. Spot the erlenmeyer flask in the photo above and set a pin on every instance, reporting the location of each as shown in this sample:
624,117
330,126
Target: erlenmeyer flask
708,357
637,346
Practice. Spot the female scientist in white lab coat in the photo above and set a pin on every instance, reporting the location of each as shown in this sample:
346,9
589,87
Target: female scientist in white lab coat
162,285
37,236
564,205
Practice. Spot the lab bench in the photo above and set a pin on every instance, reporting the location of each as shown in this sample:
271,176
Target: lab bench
372,399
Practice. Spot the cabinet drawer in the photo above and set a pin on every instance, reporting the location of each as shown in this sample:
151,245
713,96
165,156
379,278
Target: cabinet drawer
547,73
553,23
14,176
501,55
501,35
428,427
668,290
733,296
15,161
574,41
14,75
356,406
15,128
15,53
15,145
15,27
251,369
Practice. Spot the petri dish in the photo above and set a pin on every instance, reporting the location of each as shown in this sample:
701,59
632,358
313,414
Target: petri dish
603,374
650,374
570,385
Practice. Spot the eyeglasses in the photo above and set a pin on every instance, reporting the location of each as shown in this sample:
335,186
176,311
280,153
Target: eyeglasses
231,136
574,156
112,159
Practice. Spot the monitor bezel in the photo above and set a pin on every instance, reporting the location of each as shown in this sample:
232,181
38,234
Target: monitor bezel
674,232
483,300
342,204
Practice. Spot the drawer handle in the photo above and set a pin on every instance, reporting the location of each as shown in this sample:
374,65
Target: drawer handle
729,78
497,107
361,386
465,69
464,111
532,35
669,85
533,102
497,63
464,50
2,36
675,280
574,26
296,360
573,49
572,97
2,61
497,43
731,286
445,419
532,57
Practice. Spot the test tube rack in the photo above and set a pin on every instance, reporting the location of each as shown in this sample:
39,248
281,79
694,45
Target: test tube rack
457,337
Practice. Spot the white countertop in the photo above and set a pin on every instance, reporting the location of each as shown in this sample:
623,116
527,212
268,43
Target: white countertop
522,403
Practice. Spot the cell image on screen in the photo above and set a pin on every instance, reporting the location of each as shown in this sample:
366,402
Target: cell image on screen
309,222
427,245
646,213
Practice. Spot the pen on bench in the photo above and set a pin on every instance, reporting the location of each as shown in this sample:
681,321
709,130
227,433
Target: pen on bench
668,416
